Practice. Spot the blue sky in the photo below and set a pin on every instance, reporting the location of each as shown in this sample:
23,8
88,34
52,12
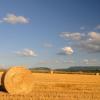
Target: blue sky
49,33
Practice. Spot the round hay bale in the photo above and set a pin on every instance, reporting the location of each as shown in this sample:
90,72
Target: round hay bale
1,74
18,80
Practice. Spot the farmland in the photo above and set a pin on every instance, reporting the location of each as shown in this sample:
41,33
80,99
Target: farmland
48,86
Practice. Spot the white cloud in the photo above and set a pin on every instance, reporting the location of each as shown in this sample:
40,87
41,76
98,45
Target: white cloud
70,35
89,42
94,36
13,19
92,44
66,51
26,52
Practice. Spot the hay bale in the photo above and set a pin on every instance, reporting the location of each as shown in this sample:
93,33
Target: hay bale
18,80
97,74
1,74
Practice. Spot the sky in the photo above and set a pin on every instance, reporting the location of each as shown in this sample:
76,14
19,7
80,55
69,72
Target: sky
49,33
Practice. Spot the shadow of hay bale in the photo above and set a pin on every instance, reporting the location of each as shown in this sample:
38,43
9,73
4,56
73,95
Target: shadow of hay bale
2,88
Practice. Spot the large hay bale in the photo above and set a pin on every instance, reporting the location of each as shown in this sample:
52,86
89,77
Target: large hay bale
18,80
1,74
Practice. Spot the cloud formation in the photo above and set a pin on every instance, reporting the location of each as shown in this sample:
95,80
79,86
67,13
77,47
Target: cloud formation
70,35
27,53
13,19
66,51
94,36
89,42
92,44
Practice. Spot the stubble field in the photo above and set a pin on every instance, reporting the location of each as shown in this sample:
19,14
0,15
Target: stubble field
48,86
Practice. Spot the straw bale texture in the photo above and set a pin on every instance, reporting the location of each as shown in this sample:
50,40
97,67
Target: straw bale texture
1,74
18,80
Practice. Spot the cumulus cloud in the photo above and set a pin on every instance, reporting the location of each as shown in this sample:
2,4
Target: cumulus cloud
92,44
66,51
89,42
26,52
94,36
70,35
13,19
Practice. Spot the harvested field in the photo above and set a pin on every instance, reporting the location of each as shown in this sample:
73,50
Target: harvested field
60,87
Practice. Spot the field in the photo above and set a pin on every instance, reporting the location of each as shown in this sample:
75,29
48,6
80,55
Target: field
48,86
